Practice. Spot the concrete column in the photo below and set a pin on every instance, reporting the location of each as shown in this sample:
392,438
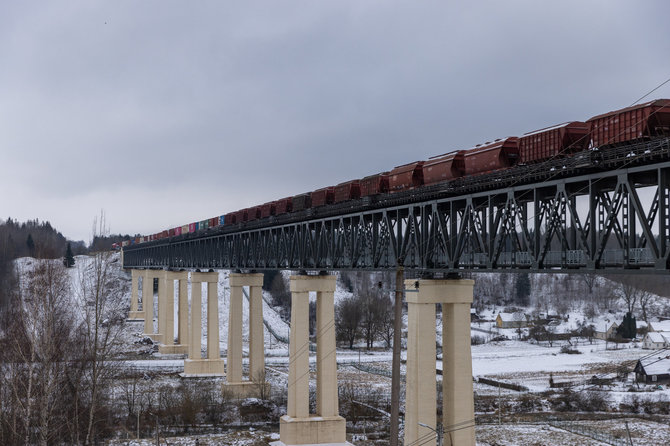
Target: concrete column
298,427
458,403
298,373
420,393
326,358
236,384
163,297
256,333
195,365
148,302
135,314
234,362
169,346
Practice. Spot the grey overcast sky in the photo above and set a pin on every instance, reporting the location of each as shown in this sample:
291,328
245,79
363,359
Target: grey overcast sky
166,112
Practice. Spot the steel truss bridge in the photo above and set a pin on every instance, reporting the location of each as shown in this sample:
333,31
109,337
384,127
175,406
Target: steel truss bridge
597,211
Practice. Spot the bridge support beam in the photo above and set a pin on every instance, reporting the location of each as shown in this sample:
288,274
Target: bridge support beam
256,384
148,304
135,314
298,426
169,346
195,365
457,393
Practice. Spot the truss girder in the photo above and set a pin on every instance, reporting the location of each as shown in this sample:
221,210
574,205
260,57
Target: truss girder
609,221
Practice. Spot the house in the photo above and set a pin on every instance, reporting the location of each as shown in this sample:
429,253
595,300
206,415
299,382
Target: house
660,326
655,340
511,320
653,370
608,333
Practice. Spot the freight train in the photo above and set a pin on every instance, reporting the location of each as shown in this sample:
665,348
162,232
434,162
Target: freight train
628,125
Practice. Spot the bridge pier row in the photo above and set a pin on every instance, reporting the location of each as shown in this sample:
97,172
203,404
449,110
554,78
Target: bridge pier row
169,346
298,426
148,304
457,393
256,384
135,314
195,365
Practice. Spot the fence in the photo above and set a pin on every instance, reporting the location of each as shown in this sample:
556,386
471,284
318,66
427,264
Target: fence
587,431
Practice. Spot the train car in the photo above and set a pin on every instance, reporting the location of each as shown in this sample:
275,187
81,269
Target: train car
349,190
444,167
204,224
254,213
375,184
550,142
214,222
302,202
500,154
184,229
192,227
241,215
171,232
407,176
634,123
323,196
230,218
268,209
222,220
283,206
125,243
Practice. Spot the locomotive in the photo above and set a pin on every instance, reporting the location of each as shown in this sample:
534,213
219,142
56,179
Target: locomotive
628,125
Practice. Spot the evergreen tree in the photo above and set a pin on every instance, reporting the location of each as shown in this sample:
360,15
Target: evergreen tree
68,261
31,245
628,328
523,289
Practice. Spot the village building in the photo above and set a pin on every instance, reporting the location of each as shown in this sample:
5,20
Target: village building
609,333
512,320
655,340
653,370
662,326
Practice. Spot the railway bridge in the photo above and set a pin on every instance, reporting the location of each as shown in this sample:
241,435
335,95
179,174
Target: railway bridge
593,212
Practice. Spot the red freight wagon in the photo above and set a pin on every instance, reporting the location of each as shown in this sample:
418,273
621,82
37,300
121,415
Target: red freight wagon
241,216
177,230
229,218
302,201
254,213
631,123
191,227
444,167
492,156
323,196
283,206
407,176
549,142
375,184
171,232
348,190
268,209
214,221
164,234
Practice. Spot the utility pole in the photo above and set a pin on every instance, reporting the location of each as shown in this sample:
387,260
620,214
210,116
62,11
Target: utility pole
395,373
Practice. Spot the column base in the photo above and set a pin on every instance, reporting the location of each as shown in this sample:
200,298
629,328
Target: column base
194,368
156,337
313,430
246,389
174,349
135,316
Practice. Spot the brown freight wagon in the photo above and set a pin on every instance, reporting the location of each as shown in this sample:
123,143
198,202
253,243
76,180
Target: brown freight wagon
407,176
550,142
323,196
268,209
214,221
283,206
499,154
631,123
230,218
349,190
241,216
375,184
254,213
302,202
171,232
443,167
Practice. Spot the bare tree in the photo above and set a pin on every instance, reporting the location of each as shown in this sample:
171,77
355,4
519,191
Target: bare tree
630,291
646,299
102,309
348,320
